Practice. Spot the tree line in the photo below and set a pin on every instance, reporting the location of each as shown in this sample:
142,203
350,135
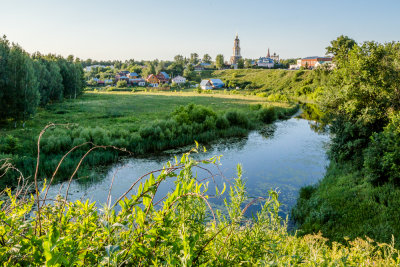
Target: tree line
28,81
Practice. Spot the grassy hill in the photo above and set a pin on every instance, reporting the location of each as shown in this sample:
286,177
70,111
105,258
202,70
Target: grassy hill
276,84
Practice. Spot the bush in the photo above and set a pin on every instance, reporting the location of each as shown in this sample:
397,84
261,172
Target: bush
238,119
122,83
267,115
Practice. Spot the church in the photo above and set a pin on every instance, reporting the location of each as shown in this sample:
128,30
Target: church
236,51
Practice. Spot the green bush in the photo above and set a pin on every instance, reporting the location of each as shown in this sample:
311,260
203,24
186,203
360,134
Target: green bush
238,119
267,115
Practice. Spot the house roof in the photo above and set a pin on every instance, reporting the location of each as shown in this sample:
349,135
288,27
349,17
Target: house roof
216,81
178,77
204,82
133,74
265,60
165,75
315,57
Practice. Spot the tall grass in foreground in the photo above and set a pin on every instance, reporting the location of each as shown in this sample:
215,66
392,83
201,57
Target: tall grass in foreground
180,229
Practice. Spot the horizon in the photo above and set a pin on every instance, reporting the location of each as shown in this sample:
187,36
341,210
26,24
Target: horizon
96,30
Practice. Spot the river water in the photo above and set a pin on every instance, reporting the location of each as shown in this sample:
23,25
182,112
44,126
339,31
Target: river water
284,156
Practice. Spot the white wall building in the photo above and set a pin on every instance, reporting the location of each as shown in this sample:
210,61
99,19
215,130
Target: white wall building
179,80
206,84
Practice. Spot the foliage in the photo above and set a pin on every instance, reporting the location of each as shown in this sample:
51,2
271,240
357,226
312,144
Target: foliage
26,82
219,61
181,229
361,102
122,84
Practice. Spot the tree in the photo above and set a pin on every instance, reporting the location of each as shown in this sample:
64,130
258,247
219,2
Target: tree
179,59
240,64
340,48
248,63
121,83
219,61
189,72
206,58
149,69
194,58
363,90
23,83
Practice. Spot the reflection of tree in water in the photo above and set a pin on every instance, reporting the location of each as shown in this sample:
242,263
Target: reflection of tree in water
268,131
317,119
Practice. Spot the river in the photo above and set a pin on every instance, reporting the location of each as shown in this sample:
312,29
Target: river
284,156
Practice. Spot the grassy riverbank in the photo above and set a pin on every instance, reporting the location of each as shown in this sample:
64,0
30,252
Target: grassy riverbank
140,122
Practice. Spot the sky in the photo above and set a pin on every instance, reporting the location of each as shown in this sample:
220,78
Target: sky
156,29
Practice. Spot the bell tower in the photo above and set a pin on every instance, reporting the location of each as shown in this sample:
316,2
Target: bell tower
236,51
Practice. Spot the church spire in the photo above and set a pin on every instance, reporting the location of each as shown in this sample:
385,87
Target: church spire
268,55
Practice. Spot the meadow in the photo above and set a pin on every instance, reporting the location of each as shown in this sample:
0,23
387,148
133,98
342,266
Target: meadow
141,122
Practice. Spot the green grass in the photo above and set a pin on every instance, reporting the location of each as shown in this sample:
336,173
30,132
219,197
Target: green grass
123,110
343,205
276,84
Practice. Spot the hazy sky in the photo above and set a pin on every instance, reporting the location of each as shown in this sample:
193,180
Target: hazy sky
150,29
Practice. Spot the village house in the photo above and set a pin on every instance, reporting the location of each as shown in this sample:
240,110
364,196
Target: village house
179,80
199,67
137,81
163,77
152,80
310,62
133,75
206,85
217,83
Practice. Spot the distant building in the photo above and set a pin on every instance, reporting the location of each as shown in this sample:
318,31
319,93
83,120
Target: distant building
268,61
199,67
274,57
123,73
265,62
206,85
179,80
236,51
133,75
137,81
328,64
89,68
217,83
163,77
309,62
152,80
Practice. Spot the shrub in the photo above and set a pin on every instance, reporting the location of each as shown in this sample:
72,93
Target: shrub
121,83
238,119
267,115
222,122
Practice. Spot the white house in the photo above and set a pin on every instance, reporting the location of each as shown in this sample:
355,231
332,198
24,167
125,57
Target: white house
265,62
206,84
179,80
328,64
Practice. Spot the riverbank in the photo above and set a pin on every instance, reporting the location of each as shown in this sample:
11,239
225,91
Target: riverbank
139,122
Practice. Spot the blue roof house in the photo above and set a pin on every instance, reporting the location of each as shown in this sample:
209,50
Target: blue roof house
217,83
